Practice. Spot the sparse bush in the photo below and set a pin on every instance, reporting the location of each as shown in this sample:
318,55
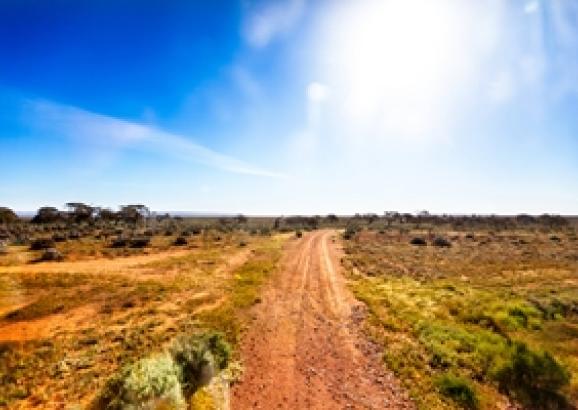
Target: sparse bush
119,243
459,390
51,255
139,242
441,242
299,234
180,241
533,378
41,244
418,241
350,232
151,382
199,357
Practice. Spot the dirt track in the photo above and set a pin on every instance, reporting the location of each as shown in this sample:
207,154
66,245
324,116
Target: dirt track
304,349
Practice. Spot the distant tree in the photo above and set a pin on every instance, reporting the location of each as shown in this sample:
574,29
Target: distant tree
107,214
133,213
7,215
332,218
241,219
47,214
80,212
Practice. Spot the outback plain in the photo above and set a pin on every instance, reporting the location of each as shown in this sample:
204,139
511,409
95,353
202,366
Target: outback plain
110,310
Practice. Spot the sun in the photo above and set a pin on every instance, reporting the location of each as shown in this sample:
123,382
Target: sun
396,59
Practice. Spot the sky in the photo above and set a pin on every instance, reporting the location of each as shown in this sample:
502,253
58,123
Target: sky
291,106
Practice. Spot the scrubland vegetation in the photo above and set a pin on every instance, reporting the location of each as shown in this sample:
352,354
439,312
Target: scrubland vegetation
116,309
473,314
148,321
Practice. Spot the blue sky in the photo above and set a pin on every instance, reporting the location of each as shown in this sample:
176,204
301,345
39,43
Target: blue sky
291,106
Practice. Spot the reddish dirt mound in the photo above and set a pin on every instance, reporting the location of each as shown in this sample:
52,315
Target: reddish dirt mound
304,350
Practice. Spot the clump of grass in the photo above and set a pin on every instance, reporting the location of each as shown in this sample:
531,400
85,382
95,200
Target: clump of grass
459,390
163,380
533,378
148,383
199,357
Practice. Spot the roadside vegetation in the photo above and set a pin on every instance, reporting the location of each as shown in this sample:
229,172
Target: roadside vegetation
112,326
473,318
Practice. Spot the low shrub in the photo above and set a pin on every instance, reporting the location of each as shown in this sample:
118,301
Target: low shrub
418,241
459,390
180,241
51,255
199,357
349,233
533,378
298,234
165,379
151,382
41,244
139,242
441,242
119,243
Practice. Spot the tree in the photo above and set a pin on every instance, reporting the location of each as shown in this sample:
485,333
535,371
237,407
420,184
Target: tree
7,215
80,212
133,213
47,214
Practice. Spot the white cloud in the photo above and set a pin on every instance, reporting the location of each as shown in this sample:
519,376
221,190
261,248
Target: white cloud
271,20
531,7
317,92
104,131
502,88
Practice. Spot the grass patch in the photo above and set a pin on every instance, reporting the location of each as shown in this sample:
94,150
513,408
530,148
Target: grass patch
486,330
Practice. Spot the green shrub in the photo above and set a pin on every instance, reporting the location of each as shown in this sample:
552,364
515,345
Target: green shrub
199,357
165,379
533,378
150,382
459,390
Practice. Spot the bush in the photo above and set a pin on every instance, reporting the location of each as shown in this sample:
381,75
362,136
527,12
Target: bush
50,255
533,378
139,242
199,357
441,242
298,234
418,241
119,243
459,390
41,244
149,383
180,241
349,233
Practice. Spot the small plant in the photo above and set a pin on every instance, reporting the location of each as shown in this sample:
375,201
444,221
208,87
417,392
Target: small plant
418,241
139,242
51,255
199,357
41,244
180,241
349,233
533,378
149,383
298,234
441,242
459,390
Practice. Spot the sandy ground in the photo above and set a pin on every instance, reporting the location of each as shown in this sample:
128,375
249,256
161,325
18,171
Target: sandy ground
304,349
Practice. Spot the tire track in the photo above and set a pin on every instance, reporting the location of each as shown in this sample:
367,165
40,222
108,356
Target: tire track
304,350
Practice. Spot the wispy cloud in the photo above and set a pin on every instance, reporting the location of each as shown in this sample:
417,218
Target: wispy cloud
115,133
268,21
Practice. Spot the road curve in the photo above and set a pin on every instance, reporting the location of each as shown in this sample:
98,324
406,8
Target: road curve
304,349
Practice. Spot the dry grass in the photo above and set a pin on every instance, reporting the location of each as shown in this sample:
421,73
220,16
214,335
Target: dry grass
67,326
460,312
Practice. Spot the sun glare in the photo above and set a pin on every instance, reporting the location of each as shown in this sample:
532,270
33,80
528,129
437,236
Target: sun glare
396,58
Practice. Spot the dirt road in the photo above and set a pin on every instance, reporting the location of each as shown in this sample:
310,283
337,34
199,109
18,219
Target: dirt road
304,350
